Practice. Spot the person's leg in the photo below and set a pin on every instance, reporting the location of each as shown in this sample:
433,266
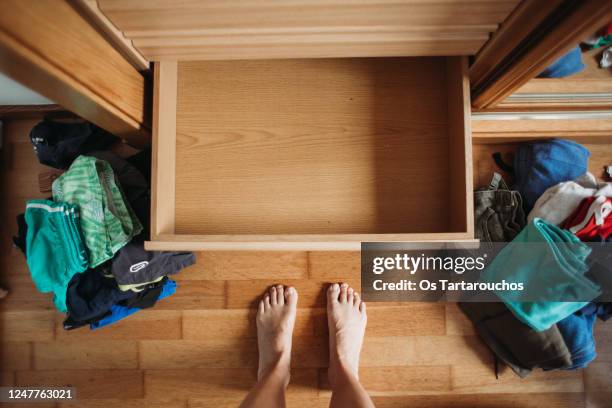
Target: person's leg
275,321
346,318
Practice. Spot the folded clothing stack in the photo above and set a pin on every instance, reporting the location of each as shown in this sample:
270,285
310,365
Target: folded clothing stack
56,251
107,222
552,269
87,246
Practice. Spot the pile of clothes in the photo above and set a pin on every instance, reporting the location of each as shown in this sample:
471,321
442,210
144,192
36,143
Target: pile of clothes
555,219
602,39
85,244
571,63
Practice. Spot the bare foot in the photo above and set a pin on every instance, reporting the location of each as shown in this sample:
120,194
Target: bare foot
275,321
346,319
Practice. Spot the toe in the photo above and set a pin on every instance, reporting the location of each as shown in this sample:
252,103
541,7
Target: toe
343,292
291,296
266,301
362,308
350,295
261,308
280,295
332,293
273,298
356,300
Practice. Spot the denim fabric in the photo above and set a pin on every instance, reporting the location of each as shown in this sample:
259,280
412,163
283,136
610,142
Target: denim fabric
498,212
541,165
566,65
577,332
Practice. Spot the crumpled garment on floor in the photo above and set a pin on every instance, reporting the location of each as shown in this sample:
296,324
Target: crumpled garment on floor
90,295
552,271
133,265
561,200
107,220
55,247
133,183
540,165
516,344
58,144
119,312
592,219
498,212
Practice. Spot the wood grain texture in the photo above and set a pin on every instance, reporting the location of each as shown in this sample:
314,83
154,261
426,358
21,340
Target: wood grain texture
323,146
34,39
90,9
164,149
513,30
247,265
123,384
503,131
194,30
461,217
83,355
145,325
292,242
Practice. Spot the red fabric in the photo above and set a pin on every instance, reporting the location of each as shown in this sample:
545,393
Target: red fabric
591,219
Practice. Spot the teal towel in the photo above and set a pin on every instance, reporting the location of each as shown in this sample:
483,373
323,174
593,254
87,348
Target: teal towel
551,263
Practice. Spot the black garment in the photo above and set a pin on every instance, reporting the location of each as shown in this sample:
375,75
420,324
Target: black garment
133,265
142,162
57,144
515,343
90,294
22,231
148,297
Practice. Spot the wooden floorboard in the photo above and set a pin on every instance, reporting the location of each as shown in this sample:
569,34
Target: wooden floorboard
198,348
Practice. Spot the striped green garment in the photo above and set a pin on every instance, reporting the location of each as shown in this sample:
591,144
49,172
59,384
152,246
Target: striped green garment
107,220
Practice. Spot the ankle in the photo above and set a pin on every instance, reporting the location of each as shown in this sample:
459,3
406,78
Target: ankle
343,367
279,368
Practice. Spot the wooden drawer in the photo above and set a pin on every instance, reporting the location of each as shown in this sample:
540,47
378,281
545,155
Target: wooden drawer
312,154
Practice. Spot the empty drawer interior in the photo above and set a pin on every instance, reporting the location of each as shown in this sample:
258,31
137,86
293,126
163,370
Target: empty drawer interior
321,146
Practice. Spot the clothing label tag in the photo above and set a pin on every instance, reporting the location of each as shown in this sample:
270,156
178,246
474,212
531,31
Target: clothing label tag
138,266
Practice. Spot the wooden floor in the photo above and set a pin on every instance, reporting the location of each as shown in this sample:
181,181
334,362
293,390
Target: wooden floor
198,348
